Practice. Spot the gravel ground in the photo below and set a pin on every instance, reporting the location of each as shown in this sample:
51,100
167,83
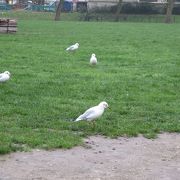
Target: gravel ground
100,158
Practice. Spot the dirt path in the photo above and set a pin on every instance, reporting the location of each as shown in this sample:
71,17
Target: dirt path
101,158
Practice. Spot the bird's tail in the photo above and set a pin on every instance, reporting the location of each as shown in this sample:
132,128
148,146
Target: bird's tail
78,119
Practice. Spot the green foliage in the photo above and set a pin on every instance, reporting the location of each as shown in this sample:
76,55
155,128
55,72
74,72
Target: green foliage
137,74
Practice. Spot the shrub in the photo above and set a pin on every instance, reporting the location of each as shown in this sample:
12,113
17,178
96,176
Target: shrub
133,8
176,10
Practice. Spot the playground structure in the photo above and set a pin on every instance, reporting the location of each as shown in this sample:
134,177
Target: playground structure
49,7
5,6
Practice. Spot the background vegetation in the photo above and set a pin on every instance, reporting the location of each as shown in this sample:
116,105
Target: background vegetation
99,16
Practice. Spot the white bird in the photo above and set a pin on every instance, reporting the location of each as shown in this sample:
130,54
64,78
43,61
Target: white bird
94,112
73,47
93,59
5,76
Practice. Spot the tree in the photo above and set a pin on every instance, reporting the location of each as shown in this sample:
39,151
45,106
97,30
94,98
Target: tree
170,5
58,10
119,7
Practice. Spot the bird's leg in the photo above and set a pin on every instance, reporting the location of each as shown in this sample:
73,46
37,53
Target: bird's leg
94,125
91,124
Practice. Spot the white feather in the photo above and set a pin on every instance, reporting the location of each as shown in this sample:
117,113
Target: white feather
5,76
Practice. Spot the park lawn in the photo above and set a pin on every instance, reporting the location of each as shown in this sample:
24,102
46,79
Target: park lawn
138,74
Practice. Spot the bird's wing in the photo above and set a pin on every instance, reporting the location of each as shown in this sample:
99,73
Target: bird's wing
87,114
70,47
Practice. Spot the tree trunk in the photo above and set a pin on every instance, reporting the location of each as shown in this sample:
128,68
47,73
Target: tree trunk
58,11
119,7
170,5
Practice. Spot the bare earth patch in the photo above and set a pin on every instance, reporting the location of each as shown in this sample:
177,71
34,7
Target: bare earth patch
101,158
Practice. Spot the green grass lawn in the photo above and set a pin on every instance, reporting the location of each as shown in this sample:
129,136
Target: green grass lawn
138,74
